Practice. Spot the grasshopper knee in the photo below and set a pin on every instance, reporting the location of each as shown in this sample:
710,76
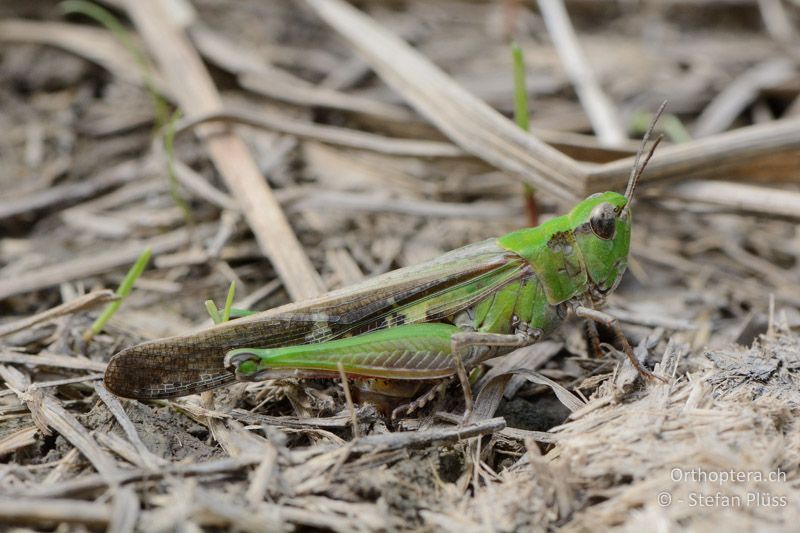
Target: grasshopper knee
244,361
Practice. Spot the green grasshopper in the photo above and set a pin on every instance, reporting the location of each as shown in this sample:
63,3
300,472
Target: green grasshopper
421,324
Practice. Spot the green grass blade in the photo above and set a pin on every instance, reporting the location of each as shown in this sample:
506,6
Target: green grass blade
228,310
211,307
520,91
169,150
107,19
122,291
163,119
226,313
112,24
522,119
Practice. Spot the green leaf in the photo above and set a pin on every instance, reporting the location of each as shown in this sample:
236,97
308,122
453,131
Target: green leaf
122,291
226,314
520,91
211,307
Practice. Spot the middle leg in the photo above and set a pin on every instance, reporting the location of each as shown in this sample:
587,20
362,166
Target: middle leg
465,342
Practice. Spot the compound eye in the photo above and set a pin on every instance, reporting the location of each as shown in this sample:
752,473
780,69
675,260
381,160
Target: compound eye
603,221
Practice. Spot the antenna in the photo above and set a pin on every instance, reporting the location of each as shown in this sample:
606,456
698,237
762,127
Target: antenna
638,168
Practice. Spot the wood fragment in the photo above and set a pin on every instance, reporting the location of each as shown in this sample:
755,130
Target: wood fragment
66,381
523,434
777,21
197,94
101,225
381,203
256,74
58,361
132,192
69,192
344,266
87,301
650,320
21,438
470,124
122,447
273,87
93,482
723,110
264,475
198,186
151,461
717,155
37,511
738,197
63,466
125,510
466,120
329,422
96,45
422,439
605,119
329,134
55,416
85,266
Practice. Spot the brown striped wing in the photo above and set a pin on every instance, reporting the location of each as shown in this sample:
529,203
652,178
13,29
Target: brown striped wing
188,364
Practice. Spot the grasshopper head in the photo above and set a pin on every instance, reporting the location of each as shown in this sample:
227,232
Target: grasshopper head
602,224
602,229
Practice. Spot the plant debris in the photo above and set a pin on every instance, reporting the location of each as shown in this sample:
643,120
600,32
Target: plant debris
321,143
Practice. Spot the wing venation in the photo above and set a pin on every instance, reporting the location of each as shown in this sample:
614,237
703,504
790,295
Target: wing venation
188,364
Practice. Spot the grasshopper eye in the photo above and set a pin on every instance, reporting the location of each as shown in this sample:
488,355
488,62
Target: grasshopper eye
603,221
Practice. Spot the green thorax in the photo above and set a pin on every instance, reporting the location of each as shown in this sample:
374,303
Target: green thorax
568,257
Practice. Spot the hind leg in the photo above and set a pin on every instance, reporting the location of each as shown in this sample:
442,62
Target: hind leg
422,401
464,343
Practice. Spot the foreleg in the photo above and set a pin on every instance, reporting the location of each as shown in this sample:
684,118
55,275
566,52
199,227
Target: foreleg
613,323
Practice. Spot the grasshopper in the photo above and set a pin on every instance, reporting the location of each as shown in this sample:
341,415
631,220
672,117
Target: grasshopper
427,323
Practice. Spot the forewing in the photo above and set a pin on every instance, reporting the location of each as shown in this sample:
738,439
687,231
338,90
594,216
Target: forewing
189,364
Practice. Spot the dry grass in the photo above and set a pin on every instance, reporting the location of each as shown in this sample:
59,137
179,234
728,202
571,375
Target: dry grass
379,155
